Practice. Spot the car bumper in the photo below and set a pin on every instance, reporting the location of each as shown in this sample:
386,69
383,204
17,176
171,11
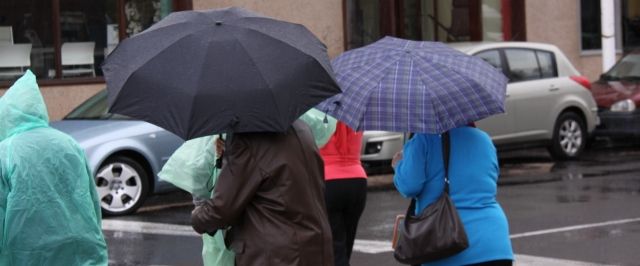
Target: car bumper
618,124
380,146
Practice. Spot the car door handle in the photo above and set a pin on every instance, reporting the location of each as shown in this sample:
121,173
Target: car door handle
553,88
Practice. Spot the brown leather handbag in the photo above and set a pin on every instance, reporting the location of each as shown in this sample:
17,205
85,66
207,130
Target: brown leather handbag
437,232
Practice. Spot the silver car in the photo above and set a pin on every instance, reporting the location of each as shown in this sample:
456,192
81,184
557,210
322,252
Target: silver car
548,103
125,155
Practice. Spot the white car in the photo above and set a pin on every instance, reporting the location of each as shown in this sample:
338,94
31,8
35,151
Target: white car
548,103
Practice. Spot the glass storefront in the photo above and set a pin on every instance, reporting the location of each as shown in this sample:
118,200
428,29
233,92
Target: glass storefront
429,20
66,39
631,25
627,25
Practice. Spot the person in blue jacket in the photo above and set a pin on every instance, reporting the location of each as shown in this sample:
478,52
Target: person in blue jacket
473,175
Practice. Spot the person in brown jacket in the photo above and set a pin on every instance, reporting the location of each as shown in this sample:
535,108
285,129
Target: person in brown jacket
270,192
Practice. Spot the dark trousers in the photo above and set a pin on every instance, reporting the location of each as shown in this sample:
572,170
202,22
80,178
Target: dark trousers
494,263
345,199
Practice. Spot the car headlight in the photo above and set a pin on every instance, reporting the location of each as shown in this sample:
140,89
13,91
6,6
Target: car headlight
623,106
373,147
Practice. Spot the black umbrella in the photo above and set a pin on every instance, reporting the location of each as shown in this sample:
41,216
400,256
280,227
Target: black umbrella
197,73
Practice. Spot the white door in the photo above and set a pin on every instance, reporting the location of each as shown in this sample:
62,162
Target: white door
501,125
533,91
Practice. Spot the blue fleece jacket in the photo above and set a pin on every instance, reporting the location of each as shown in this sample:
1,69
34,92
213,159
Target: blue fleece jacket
473,174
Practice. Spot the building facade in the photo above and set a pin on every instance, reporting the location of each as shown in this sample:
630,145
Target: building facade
67,40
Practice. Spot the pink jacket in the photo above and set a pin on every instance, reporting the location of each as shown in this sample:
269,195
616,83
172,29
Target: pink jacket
341,154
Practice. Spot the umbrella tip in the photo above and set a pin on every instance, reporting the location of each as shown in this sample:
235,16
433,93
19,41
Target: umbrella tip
219,22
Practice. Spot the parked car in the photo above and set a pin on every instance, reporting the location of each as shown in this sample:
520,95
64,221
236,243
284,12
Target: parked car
124,155
378,147
617,93
548,103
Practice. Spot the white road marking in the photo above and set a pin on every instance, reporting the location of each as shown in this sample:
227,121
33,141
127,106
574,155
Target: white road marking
365,246
573,228
148,228
166,206
372,246
527,260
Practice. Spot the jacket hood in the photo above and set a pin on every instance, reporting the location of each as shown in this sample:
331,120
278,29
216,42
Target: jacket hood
22,107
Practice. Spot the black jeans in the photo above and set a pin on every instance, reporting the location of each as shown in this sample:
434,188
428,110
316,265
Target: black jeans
345,199
494,263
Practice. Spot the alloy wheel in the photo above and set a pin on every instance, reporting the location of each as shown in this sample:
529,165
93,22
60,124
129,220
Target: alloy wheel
119,187
570,137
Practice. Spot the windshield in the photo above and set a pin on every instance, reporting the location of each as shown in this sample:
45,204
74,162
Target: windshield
94,108
627,68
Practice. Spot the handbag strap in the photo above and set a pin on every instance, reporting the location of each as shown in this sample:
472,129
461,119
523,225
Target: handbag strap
445,161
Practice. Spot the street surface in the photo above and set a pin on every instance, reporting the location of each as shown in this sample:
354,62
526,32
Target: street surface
581,212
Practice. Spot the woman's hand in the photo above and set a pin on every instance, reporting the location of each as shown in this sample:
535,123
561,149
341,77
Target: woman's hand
396,158
219,147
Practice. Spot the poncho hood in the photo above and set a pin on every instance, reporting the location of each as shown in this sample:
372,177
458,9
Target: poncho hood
22,107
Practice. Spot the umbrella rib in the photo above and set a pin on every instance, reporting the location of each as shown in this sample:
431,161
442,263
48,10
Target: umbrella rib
269,86
287,43
386,58
369,69
409,97
395,84
468,81
151,56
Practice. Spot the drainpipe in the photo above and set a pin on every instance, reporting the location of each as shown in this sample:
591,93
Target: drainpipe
608,34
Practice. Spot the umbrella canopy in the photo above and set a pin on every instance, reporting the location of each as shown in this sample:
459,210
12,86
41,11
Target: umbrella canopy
412,86
198,73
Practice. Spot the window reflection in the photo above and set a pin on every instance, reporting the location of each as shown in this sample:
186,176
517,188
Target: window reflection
27,41
68,38
141,14
427,20
83,36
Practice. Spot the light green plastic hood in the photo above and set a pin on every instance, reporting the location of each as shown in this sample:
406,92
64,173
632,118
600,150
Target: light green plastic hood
22,107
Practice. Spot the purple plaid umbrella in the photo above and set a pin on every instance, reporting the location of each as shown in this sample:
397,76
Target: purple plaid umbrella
413,86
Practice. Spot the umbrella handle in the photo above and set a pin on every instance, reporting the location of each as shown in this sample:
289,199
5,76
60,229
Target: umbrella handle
219,159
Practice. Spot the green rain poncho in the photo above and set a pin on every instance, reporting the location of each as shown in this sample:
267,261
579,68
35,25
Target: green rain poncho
49,212
191,168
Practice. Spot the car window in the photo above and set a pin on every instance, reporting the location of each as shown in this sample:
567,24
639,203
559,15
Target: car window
94,108
523,65
627,68
547,64
492,57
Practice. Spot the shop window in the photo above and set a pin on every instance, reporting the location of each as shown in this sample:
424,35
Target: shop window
28,26
426,20
69,39
363,22
631,24
590,24
626,19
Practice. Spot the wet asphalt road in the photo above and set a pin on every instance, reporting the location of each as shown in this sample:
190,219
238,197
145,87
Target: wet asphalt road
560,213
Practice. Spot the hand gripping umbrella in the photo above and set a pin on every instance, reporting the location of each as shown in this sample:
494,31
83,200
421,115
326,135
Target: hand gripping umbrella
198,73
412,86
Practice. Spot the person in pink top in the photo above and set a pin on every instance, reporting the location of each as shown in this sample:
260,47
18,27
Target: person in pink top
345,188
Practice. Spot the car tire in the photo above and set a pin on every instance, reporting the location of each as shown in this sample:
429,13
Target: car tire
569,137
122,185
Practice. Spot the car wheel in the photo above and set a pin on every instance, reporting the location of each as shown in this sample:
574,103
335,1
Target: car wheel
122,185
569,137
